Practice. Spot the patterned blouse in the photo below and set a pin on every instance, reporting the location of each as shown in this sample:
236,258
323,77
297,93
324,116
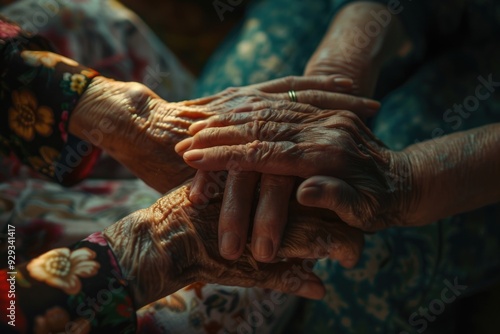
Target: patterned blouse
73,289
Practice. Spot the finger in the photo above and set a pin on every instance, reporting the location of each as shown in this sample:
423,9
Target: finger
295,113
320,82
350,248
243,133
332,194
291,277
310,102
295,277
271,215
319,237
196,189
363,107
234,217
277,111
206,185
280,158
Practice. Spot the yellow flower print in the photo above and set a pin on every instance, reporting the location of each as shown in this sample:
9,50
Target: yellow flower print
45,164
61,268
78,82
45,58
26,117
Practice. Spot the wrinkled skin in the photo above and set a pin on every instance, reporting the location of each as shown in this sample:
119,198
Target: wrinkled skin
342,52
368,186
174,243
142,129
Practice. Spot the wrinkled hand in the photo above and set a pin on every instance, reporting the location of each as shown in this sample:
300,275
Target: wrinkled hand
140,130
274,188
174,243
364,183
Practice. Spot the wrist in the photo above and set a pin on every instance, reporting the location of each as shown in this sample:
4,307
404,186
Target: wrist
152,251
455,173
423,205
351,47
406,188
89,118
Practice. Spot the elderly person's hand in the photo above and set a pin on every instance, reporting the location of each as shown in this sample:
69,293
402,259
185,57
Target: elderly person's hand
368,184
139,129
174,243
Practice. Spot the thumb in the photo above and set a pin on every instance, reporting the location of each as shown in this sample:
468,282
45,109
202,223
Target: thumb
332,194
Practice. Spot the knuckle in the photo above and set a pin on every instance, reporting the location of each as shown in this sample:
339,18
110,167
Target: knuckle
235,155
270,131
254,151
263,113
253,129
229,91
283,104
349,115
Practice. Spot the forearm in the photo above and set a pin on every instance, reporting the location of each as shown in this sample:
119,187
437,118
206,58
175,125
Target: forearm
361,37
454,174
154,249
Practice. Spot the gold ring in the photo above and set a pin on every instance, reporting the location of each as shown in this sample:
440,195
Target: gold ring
292,95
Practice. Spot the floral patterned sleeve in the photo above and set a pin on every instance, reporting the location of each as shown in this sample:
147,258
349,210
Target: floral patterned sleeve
38,91
79,289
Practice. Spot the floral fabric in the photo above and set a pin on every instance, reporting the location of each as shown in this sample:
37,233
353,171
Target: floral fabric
39,89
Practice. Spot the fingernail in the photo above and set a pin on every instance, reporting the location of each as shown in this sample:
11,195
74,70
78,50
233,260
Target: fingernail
263,248
230,243
344,82
193,155
372,104
310,193
311,290
198,126
183,145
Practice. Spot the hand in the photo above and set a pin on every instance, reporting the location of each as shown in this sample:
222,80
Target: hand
322,91
139,129
174,243
368,185
274,189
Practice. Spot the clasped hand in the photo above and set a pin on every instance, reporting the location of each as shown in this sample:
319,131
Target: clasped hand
339,162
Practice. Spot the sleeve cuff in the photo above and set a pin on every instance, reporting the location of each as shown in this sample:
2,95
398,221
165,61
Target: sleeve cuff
39,90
